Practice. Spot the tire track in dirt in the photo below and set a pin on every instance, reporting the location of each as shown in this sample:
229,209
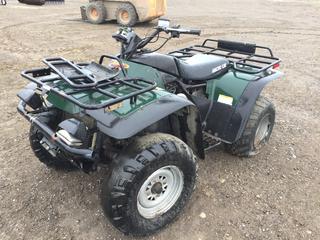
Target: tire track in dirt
11,45
16,45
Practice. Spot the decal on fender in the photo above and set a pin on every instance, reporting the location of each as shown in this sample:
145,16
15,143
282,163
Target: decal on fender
225,99
114,107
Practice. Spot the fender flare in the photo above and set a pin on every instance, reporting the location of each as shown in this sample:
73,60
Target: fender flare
240,116
129,126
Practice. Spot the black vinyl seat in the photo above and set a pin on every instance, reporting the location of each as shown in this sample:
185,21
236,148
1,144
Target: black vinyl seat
199,67
202,67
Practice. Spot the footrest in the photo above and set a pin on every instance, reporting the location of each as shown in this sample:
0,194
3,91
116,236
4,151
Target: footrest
209,141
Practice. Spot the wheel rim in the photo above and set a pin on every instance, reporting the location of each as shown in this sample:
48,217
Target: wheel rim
160,191
262,131
94,13
124,16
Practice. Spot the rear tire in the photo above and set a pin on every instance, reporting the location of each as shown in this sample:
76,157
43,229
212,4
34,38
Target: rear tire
43,155
150,184
96,12
258,130
126,15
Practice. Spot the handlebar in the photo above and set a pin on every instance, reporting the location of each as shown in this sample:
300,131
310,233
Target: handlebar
131,43
184,31
168,30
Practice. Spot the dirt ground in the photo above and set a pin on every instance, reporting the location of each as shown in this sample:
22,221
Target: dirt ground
274,195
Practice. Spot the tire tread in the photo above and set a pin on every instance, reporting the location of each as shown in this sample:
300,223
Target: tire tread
244,146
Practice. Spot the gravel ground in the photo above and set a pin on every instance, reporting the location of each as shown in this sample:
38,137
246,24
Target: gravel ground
274,195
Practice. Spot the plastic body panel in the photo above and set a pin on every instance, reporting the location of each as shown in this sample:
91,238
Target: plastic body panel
121,127
227,120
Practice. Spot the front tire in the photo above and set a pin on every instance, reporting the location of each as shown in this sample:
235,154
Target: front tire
96,12
126,15
258,130
150,184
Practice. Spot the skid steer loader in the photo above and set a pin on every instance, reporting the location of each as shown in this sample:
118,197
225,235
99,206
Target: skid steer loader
127,13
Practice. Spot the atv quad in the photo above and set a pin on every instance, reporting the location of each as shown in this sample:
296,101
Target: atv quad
149,116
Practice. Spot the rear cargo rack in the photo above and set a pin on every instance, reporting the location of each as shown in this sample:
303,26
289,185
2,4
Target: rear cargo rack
81,77
242,56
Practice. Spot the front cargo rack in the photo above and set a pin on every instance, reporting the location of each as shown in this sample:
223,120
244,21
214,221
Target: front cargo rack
242,56
67,79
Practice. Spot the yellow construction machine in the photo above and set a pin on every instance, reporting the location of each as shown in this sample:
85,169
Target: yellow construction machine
126,12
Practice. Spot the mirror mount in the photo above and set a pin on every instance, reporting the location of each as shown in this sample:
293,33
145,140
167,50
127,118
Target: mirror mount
163,23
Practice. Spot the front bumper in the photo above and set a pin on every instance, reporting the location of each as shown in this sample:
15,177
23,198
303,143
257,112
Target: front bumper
51,136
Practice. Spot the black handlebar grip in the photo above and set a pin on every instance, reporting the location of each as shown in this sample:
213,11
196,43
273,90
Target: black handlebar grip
195,32
183,31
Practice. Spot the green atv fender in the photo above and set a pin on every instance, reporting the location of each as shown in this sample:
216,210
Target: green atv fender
233,97
129,119
122,126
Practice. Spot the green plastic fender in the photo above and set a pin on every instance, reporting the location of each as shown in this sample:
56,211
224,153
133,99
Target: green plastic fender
234,95
123,126
125,122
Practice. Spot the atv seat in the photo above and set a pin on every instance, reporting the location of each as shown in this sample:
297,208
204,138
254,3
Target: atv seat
202,67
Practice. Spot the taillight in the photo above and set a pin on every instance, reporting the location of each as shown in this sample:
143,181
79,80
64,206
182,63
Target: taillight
277,65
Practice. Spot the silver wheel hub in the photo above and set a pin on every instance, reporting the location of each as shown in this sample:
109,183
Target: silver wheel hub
160,191
262,131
